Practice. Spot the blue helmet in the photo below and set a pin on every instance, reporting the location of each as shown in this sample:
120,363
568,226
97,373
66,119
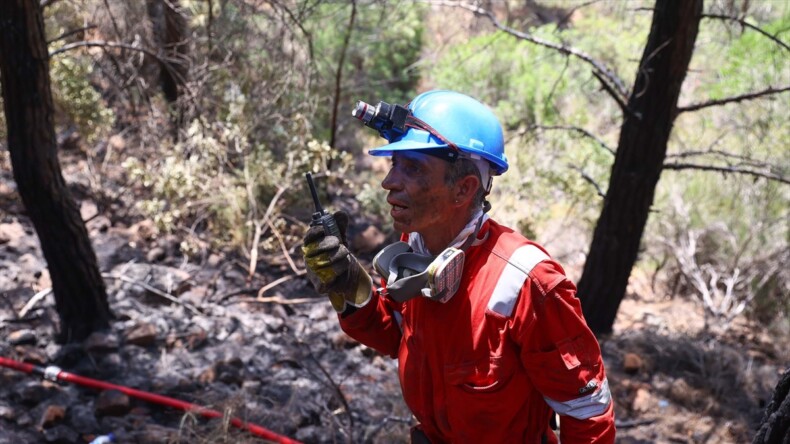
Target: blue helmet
447,119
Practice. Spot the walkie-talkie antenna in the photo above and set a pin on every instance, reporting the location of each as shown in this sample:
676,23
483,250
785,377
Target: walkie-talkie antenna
321,216
314,193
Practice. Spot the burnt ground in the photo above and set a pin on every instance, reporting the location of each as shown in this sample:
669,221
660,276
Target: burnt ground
199,332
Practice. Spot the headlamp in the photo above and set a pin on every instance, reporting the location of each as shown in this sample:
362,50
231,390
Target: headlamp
388,120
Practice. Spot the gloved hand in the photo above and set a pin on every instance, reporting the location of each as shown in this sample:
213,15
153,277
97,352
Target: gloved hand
333,270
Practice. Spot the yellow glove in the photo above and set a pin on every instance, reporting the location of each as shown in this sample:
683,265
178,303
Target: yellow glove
333,270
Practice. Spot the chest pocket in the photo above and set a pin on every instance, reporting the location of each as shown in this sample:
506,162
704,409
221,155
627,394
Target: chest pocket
481,393
487,375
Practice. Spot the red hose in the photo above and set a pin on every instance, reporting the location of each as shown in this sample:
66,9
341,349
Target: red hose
145,396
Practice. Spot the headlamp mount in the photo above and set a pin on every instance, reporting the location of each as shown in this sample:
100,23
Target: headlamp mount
388,120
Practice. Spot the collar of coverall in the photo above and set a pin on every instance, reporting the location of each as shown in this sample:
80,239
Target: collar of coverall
465,238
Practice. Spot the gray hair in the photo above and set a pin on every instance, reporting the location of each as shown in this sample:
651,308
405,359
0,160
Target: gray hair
461,168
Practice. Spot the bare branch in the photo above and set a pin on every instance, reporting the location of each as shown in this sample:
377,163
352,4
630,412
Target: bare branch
339,77
153,290
564,19
112,20
567,50
33,301
589,179
734,99
746,24
743,160
617,97
165,61
577,129
735,170
277,282
283,247
104,44
298,22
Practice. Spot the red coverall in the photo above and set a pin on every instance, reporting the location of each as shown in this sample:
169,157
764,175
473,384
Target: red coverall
491,364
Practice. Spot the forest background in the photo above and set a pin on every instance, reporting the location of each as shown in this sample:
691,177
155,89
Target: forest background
198,119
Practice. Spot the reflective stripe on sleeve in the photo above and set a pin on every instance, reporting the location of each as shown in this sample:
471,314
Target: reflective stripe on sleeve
585,407
508,287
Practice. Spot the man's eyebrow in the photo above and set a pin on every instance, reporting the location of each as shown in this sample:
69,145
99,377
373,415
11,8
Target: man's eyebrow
415,158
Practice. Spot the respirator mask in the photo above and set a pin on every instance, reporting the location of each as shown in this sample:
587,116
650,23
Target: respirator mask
410,274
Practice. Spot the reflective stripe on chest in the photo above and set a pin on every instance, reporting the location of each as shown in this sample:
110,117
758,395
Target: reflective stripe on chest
509,284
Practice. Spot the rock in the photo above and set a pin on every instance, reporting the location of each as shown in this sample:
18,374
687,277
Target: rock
214,260
11,232
195,295
229,371
111,364
31,392
632,363
98,224
112,403
208,376
145,230
156,254
643,401
31,355
143,334
61,433
196,339
7,413
101,342
44,280
116,142
152,433
369,240
52,414
82,418
88,209
22,337
24,420
687,395
343,341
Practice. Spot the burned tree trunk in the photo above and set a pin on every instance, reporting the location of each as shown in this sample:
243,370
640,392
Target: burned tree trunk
170,31
649,116
80,294
775,426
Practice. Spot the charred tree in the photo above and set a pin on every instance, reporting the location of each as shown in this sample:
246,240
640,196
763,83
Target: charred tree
649,116
171,32
775,425
80,294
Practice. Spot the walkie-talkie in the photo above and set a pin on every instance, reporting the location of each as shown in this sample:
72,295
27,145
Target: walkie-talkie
321,216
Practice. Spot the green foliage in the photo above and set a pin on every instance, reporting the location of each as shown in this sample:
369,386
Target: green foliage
530,87
522,81
195,182
748,62
380,61
77,100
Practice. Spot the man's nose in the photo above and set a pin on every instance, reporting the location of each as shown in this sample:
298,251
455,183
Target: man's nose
391,182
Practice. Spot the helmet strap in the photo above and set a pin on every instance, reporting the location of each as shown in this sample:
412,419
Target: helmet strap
417,123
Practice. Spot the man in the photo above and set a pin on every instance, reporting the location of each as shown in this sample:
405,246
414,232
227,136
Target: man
487,329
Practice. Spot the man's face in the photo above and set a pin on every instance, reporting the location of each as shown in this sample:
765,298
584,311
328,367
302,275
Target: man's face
421,200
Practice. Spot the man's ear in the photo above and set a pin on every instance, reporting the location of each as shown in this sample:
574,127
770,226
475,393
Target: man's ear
466,188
